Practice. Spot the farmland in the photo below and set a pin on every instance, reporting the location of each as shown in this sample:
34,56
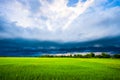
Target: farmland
30,68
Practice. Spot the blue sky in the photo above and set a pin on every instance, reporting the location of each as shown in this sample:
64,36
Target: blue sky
60,20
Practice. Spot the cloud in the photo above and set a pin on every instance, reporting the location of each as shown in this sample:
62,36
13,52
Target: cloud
62,20
97,24
43,13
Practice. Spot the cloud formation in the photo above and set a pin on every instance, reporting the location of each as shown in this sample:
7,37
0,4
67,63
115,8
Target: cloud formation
62,20
49,15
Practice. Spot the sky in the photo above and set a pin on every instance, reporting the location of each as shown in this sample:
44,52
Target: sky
60,20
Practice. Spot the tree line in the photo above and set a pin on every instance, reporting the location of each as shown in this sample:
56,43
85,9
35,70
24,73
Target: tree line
90,55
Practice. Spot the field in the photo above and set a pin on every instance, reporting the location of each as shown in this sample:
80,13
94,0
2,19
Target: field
59,69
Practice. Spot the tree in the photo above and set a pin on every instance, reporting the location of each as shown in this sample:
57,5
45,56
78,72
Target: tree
116,56
88,56
78,55
92,54
104,55
98,56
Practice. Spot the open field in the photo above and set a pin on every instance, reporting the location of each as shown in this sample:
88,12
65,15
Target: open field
59,69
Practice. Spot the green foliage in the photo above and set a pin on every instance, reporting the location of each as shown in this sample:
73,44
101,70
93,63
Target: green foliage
105,55
88,56
59,69
98,56
74,56
78,56
92,54
116,56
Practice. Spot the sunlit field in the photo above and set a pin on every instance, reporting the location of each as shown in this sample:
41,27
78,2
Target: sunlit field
59,69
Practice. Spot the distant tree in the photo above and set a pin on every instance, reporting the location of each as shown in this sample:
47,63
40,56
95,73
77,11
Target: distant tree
116,55
47,56
62,56
105,55
92,54
78,56
81,56
88,56
98,56
70,55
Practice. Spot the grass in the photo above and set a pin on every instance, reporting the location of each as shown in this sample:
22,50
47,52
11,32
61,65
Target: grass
59,69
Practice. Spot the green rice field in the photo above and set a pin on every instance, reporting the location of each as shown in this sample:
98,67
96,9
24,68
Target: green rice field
30,68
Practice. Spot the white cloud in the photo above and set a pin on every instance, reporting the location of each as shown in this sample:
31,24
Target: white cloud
58,15
80,8
16,12
56,21
97,24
